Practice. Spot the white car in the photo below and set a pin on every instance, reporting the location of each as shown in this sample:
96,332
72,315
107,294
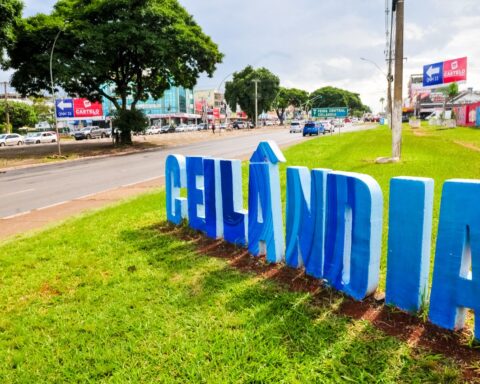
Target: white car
153,130
191,128
181,128
11,139
295,127
40,138
327,126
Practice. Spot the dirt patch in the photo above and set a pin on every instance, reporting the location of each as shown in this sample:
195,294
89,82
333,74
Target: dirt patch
464,144
419,133
418,333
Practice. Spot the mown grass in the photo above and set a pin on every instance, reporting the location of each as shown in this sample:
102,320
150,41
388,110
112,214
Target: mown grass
434,152
110,297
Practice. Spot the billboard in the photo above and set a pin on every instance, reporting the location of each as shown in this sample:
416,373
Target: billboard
445,72
78,109
330,112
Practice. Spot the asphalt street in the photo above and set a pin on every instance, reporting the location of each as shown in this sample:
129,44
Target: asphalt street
26,189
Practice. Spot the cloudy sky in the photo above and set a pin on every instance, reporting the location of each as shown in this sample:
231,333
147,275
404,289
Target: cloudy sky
314,43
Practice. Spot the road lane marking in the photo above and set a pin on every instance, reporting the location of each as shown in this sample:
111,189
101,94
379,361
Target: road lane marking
18,192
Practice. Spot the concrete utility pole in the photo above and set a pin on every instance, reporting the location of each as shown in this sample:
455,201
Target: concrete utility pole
398,84
7,112
53,93
256,81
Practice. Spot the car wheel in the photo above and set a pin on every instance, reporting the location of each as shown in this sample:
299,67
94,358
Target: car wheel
103,135
89,137
37,142
20,143
2,144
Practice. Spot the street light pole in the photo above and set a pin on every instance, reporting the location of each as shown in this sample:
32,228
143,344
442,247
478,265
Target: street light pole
7,114
53,93
389,78
398,85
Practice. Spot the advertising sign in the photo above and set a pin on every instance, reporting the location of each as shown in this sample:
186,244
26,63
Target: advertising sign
330,112
78,109
445,72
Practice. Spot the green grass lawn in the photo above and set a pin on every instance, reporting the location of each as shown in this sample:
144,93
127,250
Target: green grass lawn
118,296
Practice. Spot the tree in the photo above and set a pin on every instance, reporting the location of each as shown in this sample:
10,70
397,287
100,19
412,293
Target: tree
287,97
43,110
21,114
336,97
135,48
382,100
241,90
10,15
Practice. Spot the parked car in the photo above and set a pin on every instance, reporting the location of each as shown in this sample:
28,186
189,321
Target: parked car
167,129
238,124
313,128
153,130
92,133
181,128
295,127
41,137
11,139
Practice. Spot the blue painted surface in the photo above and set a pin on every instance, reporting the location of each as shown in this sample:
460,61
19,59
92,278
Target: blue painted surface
305,219
235,218
213,198
409,242
64,108
196,193
265,224
433,74
456,274
353,234
477,120
175,179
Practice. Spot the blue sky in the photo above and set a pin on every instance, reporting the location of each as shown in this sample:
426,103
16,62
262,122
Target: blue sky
314,43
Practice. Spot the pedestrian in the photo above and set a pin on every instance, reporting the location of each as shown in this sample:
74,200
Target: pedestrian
213,128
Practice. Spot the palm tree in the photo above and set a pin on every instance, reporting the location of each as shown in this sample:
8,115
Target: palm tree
382,100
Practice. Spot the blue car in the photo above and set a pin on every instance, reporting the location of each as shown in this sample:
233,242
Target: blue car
312,128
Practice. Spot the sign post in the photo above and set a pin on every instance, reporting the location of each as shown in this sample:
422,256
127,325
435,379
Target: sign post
445,72
336,112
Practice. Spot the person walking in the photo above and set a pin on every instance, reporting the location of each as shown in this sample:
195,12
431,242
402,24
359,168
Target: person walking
213,127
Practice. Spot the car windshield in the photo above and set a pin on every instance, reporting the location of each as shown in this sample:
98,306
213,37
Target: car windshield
2,137
85,129
310,125
295,123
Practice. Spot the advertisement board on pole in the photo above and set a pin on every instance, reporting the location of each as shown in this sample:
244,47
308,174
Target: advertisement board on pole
330,112
445,72
78,108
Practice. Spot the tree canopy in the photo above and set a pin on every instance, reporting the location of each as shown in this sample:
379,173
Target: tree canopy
287,97
10,15
20,114
123,50
241,90
336,97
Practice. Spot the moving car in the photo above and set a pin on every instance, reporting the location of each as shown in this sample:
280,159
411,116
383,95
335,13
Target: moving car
238,124
313,128
41,137
295,127
153,130
11,139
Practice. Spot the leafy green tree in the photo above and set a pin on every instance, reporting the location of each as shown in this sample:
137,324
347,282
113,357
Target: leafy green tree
20,114
336,97
241,90
43,110
10,15
123,50
287,97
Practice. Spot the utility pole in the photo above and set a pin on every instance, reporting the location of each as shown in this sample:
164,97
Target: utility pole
398,84
7,112
256,81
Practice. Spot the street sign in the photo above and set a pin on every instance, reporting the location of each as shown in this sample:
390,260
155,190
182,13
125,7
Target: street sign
330,112
64,108
445,72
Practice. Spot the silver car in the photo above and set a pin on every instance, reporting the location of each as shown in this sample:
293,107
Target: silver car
41,137
11,139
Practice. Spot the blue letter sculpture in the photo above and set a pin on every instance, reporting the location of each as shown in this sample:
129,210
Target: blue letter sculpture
265,225
354,233
456,274
409,241
196,193
175,179
213,198
306,207
234,216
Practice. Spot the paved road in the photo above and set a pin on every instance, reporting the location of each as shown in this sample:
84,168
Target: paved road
26,189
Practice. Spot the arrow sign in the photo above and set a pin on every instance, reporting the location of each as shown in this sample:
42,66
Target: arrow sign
64,108
63,104
433,71
433,74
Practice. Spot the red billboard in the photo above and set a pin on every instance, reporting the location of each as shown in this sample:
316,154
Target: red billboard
83,108
455,70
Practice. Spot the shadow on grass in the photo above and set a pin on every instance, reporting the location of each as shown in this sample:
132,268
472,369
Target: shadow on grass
316,325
